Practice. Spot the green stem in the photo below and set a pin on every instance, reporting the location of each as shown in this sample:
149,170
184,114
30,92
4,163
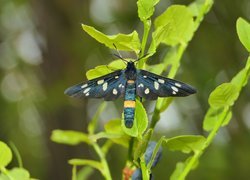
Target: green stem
147,26
177,57
74,173
208,141
105,171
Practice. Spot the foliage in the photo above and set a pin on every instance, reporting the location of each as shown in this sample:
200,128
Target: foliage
175,27
5,159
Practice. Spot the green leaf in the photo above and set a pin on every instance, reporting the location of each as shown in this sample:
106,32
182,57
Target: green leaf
142,145
243,30
223,95
101,135
126,42
16,174
180,166
186,144
213,116
117,65
102,70
174,26
140,122
5,154
83,162
69,137
98,71
178,171
114,127
196,7
146,8
157,68
240,80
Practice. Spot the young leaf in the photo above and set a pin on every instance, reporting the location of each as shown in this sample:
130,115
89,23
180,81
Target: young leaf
83,162
69,137
97,72
146,8
186,143
178,171
117,65
243,30
240,80
140,122
224,95
213,116
157,68
105,69
174,26
5,154
126,42
180,166
114,127
16,174
196,7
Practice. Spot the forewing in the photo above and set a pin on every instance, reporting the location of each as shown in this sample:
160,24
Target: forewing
151,86
109,87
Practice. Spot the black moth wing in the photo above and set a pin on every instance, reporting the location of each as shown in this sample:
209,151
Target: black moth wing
151,86
109,87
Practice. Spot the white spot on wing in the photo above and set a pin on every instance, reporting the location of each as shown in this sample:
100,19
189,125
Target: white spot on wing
156,85
145,76
87,94
105,86
116,77
173,92
146,91
84,86
161,81
100,81
86,90
178,85
120,85
115,91
140,85
174,88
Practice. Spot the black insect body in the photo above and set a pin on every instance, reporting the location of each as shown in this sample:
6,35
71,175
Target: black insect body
129,83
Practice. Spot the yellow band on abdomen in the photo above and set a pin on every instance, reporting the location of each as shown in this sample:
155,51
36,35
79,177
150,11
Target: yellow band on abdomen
130,81
130,104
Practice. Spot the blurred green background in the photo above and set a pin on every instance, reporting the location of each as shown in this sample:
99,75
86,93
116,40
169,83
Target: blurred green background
43,50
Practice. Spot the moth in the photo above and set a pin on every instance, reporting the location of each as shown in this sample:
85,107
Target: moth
129,83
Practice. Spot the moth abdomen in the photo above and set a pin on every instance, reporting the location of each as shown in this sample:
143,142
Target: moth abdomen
129,103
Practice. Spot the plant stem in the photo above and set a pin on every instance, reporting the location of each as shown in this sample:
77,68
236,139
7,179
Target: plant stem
177,57
147,26
208,141
106,171
74,173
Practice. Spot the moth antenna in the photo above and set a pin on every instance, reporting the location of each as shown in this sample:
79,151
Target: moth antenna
124,60
119,54
141,57
117,50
